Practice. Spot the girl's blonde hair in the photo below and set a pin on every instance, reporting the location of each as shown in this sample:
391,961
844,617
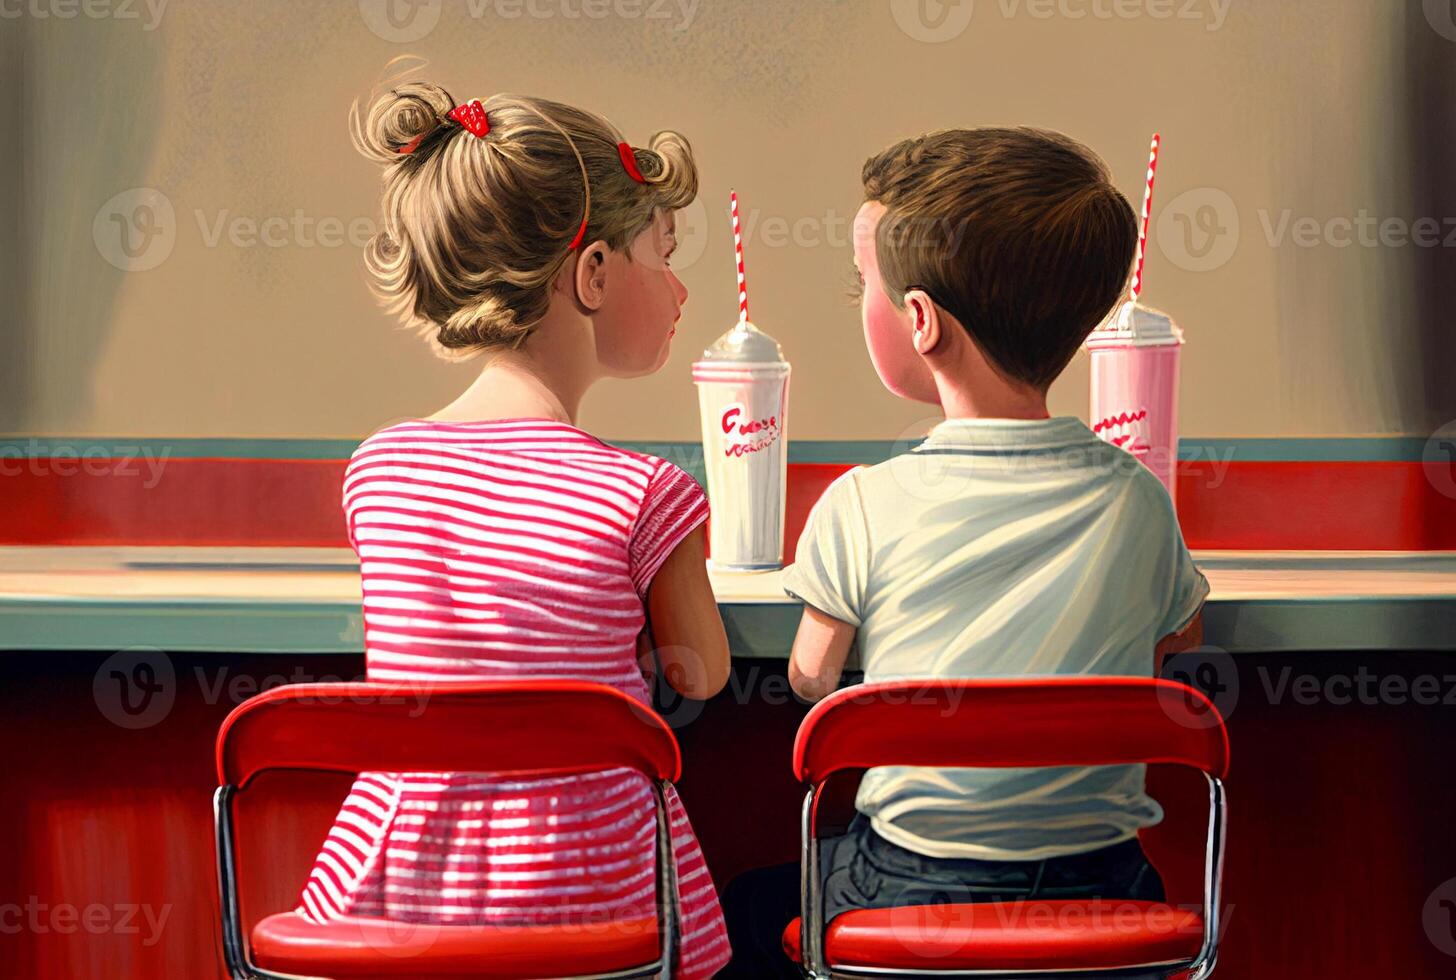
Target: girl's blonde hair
475,229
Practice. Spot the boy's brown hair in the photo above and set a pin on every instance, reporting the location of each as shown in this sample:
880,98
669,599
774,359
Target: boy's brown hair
1017,233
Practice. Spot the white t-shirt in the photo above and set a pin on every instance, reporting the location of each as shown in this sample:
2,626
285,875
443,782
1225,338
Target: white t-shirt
1001,547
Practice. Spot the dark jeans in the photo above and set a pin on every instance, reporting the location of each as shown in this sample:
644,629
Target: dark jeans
862,870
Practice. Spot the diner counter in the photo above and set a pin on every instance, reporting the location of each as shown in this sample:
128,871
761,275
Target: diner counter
306,600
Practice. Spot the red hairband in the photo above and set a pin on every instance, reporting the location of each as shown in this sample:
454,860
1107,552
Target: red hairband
471,116
629,164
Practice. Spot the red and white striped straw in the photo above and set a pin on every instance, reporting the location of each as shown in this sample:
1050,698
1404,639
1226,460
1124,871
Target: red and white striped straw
738,250
1137,275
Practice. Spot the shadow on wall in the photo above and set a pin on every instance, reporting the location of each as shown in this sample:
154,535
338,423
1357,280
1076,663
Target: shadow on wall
1431,128
85,96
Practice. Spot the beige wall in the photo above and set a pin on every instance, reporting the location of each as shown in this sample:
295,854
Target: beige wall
237,111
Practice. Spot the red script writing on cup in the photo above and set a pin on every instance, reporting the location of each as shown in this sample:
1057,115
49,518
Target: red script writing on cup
744,435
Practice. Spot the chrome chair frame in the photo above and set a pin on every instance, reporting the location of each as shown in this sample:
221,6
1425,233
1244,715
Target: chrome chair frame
813,928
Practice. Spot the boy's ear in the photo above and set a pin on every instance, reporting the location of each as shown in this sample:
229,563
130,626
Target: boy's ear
924,322
589,277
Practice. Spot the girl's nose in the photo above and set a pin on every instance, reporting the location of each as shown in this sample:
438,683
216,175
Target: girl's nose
679,289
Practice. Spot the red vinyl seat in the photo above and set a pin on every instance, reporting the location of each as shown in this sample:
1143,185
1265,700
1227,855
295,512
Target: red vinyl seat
511,728
1045,936
369,949
1063,721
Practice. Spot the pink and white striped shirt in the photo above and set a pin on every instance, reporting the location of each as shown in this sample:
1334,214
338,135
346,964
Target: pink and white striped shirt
511,548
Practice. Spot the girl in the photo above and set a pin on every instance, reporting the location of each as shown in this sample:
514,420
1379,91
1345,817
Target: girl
496,538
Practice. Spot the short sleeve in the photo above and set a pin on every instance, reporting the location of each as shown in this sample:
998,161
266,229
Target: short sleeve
672,507
831,566
1189,588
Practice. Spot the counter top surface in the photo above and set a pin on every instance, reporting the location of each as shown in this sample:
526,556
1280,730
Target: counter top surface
307,600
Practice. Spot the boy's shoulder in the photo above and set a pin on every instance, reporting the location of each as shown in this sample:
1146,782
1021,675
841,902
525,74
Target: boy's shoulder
923,475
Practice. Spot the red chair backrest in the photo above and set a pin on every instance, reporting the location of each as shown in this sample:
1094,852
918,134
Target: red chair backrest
511,727
1031,722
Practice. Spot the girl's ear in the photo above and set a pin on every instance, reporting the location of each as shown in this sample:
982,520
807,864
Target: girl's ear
924,322
590,275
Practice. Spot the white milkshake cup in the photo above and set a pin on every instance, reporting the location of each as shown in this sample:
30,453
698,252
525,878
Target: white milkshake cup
743,394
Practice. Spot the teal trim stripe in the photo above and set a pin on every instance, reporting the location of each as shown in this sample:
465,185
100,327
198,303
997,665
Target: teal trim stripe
689,455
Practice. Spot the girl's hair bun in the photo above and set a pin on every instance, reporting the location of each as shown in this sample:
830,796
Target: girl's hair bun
397,118
475,230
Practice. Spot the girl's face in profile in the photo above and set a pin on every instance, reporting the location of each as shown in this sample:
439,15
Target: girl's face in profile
887,327
644,301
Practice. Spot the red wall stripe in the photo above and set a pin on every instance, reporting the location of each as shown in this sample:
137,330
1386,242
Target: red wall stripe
221,502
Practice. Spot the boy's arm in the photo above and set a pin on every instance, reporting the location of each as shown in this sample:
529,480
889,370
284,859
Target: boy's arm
1188,638
684,624
820,649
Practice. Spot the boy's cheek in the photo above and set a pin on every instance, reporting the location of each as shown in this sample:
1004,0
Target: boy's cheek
901,370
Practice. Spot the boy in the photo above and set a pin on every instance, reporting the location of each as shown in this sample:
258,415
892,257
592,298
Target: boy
1007,543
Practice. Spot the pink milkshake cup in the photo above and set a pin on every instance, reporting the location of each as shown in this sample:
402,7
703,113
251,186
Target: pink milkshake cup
1135,387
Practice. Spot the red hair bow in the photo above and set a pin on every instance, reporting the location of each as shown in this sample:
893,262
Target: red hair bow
471,115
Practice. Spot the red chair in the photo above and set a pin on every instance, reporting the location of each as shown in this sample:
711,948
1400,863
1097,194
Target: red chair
1064,721
525,728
